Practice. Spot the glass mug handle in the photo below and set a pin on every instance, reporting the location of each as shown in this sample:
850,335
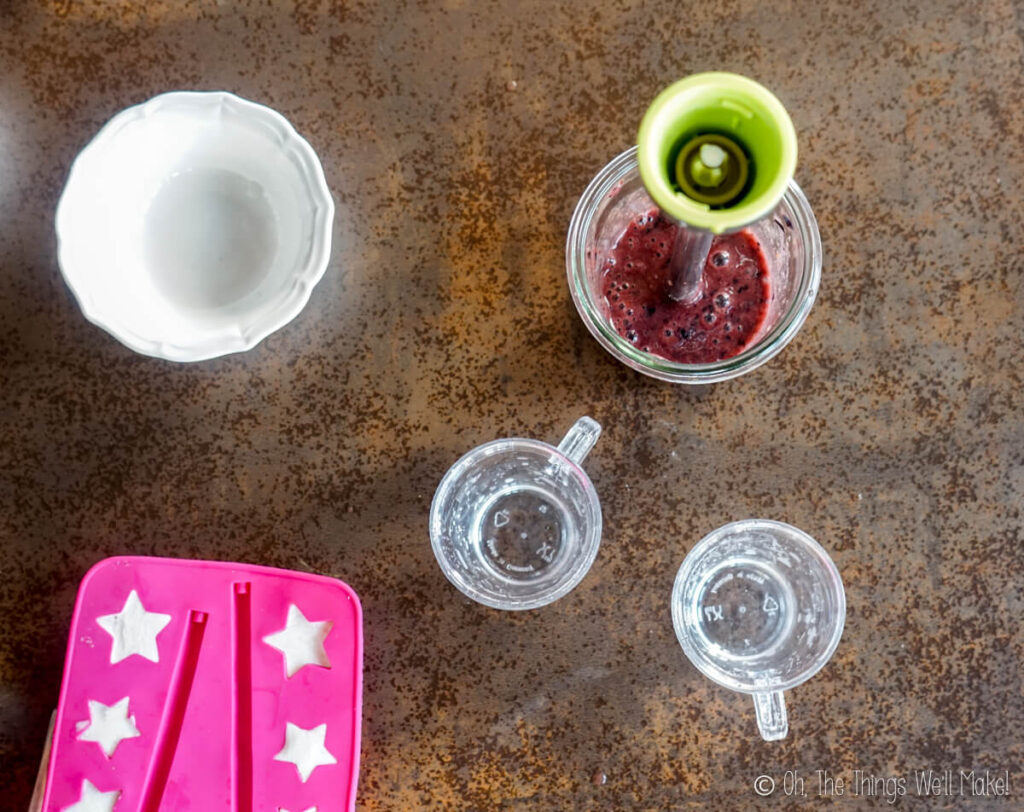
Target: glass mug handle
771,715
580,439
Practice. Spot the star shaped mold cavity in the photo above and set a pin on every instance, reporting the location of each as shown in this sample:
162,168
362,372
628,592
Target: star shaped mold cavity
133,630
301,641
92,800
107,725
305,749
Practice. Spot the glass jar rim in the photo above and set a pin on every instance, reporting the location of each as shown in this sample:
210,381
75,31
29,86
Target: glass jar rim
602,185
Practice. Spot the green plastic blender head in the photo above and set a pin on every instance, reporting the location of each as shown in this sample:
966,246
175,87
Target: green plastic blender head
716,151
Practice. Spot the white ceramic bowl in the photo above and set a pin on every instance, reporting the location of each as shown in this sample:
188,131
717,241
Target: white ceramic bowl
194,225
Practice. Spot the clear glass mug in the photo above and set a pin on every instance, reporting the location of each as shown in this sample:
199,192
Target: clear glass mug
789,238
516,523
758,606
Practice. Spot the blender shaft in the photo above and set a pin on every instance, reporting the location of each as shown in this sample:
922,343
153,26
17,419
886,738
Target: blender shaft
689,256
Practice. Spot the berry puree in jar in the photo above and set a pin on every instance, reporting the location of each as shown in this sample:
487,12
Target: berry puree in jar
636,280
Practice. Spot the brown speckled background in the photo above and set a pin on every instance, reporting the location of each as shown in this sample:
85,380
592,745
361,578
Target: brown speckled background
457,136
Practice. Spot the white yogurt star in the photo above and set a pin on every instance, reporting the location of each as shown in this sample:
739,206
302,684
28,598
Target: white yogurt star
305,749
92,800
301,641
134,630
107,725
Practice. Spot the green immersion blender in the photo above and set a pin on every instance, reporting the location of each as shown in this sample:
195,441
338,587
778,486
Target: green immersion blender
716,152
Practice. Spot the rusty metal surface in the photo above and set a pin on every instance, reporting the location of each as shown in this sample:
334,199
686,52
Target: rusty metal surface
456,137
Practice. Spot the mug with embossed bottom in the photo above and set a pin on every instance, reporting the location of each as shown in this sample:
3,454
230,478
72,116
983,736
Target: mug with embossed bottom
516,523
758,606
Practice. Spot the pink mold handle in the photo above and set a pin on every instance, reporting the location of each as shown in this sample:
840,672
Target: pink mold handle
201,685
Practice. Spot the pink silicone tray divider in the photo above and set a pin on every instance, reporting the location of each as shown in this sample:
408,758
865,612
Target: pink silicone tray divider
212,712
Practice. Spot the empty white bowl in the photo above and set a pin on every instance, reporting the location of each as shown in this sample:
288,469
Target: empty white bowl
194,225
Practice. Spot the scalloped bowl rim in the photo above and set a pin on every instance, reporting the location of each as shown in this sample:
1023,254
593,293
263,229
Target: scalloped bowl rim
303,279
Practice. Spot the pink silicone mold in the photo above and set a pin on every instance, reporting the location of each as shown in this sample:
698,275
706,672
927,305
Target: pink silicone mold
212,721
